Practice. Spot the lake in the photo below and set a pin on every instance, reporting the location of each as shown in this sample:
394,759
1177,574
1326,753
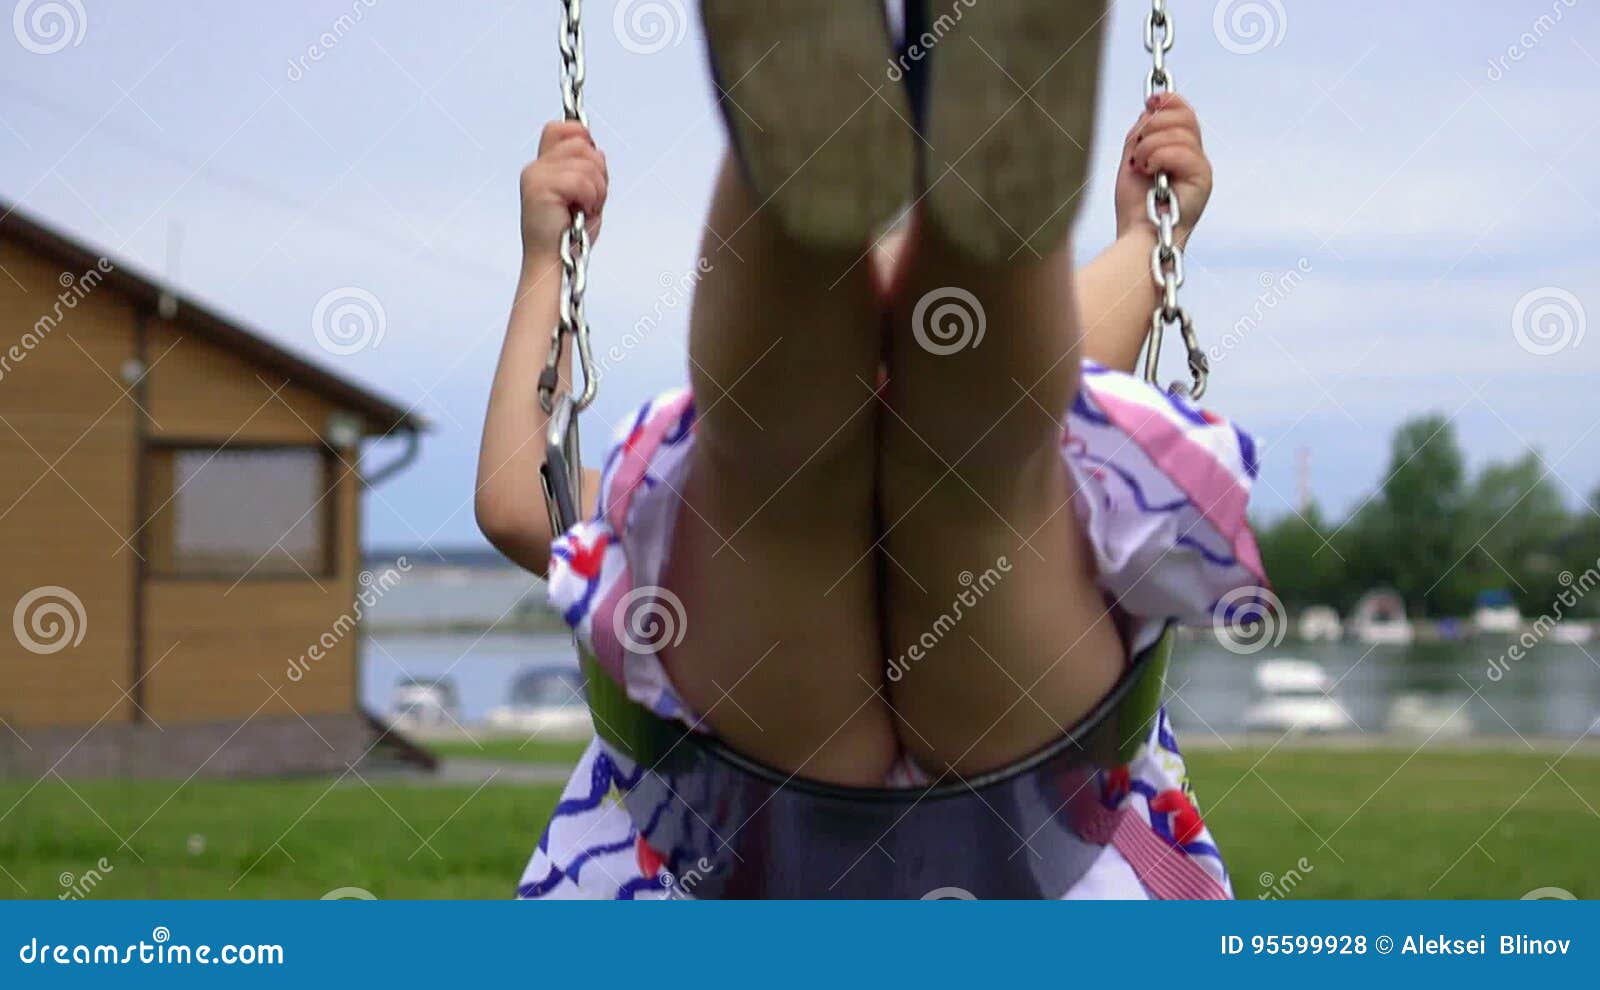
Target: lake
1553,691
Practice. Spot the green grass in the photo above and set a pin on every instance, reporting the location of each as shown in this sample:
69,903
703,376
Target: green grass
1447,824
278,839
511,750
1437,825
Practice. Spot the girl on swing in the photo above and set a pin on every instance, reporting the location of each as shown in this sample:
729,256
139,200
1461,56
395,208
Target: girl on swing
847,462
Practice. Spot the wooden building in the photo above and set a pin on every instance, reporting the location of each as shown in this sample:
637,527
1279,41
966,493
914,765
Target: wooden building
180,519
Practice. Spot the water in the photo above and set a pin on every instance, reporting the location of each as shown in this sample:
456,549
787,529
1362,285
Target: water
461,596
1553,691
482,666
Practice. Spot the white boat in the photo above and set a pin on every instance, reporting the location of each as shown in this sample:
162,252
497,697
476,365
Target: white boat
1431,716
547,703
1295,698
1320,624
1388,632
425,704
1380,618
1496,615
1571,631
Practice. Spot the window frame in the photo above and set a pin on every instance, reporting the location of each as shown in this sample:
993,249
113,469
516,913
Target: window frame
163,569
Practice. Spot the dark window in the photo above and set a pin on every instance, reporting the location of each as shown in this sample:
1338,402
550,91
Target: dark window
242,512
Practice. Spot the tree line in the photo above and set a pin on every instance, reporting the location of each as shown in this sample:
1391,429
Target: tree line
1438,536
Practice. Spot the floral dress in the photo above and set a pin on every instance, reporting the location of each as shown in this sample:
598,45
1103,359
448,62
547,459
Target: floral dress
1163,488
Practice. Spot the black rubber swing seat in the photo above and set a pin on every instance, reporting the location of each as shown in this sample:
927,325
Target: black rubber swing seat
728,826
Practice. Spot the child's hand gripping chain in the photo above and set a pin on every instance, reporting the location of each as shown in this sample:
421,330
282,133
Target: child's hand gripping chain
569,175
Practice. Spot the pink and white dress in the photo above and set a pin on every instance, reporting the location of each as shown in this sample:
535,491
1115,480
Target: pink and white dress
1163,491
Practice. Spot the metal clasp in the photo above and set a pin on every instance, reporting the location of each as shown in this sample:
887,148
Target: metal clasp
562,473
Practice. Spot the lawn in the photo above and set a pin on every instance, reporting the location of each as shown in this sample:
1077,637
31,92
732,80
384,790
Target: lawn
279,839
1437,825
1447,824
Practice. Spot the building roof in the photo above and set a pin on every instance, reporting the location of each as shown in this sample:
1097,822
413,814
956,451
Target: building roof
383,415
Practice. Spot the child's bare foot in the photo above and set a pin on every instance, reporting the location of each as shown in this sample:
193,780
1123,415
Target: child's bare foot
1010,114
819,128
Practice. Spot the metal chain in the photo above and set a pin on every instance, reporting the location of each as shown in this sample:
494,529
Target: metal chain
1161,204
575,243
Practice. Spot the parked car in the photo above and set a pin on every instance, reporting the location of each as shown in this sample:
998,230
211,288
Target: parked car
546,702
420,703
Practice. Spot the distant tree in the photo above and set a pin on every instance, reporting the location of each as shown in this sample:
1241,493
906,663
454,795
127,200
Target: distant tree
1437,540
1578,548
1515,522
1304,568
1583,537
1418,518
1366,553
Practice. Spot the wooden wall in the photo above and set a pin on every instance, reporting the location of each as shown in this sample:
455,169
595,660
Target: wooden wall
66,471
212,649
228,644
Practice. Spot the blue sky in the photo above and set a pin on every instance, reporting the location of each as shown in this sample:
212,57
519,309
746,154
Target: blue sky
1427,171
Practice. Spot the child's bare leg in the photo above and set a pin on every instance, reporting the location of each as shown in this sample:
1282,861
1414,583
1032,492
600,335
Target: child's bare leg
972,480
773,555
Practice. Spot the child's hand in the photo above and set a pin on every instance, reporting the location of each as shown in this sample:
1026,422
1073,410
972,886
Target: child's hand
569,174
1166,137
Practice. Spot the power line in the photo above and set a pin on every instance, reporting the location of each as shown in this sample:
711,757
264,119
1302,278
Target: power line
245,186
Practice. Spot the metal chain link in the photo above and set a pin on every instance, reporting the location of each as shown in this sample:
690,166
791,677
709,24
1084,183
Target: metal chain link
1161,204
575,243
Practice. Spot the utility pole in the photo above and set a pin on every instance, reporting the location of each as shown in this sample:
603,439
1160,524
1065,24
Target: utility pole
1303,479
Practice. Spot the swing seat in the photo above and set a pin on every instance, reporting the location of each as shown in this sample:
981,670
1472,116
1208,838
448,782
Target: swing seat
727,826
